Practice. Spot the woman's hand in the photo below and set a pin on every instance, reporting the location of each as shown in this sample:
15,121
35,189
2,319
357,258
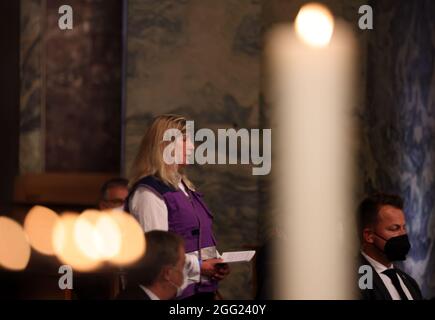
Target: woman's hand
208,267
223,269
215,269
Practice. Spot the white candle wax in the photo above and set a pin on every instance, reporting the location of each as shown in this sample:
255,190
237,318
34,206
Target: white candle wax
311,93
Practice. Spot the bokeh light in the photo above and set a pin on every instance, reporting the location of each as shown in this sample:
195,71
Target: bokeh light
14,245
66,247
85,241
107,236
133,243
39,225
84,234
97,235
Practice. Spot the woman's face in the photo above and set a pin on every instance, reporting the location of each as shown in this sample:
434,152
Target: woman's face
184,148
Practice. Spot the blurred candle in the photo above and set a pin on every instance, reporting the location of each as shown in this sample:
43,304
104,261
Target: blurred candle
39,225
14,245
312,65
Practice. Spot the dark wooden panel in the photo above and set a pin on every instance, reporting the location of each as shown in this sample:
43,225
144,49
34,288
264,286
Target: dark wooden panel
9,98
83,88
79,189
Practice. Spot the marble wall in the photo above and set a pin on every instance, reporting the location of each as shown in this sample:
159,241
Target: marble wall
83,88
70,118
31,92
398,121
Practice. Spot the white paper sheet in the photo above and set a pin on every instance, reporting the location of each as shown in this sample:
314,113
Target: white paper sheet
237,256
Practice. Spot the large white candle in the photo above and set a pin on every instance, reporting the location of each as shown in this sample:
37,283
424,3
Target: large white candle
312,80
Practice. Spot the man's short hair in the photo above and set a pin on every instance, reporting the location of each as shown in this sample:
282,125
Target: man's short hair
162,249
115,182
369,208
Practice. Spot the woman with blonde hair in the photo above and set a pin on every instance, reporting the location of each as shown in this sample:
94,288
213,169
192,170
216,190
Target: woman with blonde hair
162,197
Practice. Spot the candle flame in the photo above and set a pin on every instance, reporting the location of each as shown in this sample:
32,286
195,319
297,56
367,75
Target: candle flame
315,24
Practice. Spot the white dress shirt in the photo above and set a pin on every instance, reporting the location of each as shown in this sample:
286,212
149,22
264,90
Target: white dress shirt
151,212
379,268
149,293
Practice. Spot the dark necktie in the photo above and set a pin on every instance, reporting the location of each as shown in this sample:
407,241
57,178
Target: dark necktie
392,274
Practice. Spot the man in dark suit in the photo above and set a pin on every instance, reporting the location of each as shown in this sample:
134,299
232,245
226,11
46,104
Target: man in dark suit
384,240
159,274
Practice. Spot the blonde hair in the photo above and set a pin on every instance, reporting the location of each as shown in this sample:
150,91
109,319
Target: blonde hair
149,159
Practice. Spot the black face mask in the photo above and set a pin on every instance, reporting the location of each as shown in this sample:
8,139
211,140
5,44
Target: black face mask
396,248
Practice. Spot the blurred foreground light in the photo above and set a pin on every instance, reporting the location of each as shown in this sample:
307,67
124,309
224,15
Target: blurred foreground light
97,235
84,234
133,243
107,236
315,24
66,246
14,245
87,240
39,225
